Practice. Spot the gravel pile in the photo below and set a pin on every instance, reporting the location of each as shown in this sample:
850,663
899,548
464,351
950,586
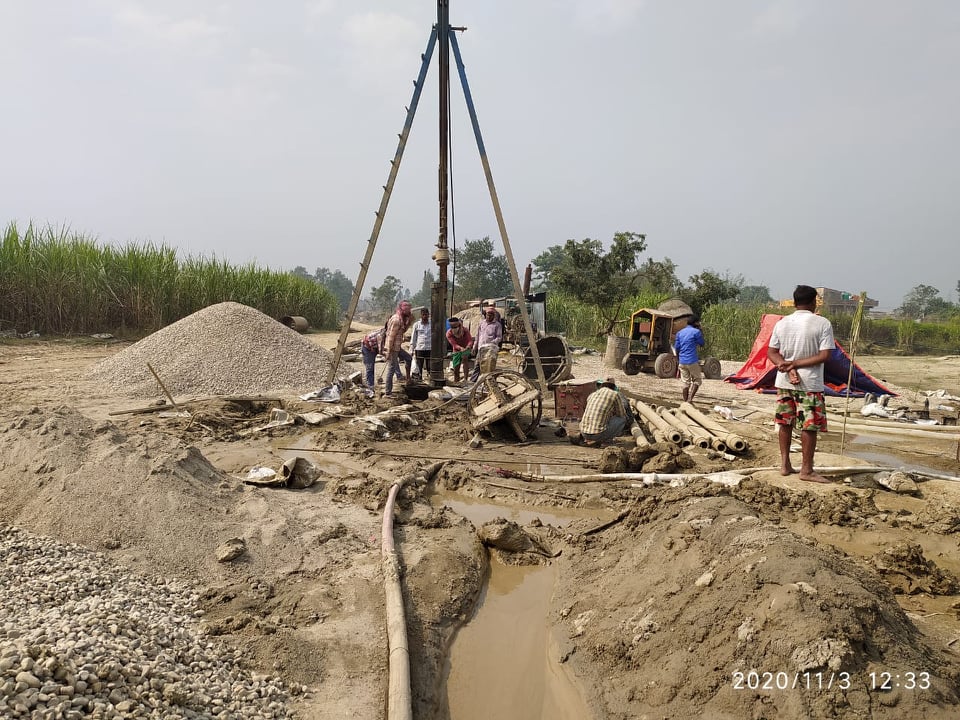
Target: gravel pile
224,349
80,637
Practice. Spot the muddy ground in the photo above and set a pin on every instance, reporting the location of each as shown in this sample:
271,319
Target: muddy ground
772,598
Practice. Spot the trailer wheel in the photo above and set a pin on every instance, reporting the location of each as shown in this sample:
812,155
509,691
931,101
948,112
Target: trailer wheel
630,364
665,366
711,369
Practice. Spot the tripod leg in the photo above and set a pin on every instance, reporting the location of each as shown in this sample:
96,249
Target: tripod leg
384,201
517,289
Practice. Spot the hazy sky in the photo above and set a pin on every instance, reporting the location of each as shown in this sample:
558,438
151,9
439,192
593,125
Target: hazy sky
808,141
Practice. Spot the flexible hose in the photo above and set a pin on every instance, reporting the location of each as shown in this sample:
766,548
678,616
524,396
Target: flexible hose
399,698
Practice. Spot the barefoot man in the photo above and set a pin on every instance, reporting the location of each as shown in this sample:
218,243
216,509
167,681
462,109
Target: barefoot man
799,346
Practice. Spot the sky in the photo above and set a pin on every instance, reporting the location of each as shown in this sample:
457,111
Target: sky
786,142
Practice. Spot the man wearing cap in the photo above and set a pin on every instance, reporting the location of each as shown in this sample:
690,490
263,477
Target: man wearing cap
686,343
604,416
420,343
487,344
460,343
392,350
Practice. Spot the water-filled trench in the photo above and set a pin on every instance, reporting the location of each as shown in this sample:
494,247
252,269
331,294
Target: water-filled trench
504,663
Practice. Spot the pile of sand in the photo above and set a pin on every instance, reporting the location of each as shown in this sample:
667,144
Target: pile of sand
695,606
224,349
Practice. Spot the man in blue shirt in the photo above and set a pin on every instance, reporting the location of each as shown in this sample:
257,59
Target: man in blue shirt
687,341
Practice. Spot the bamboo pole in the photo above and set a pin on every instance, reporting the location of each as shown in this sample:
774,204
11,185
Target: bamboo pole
907,432
744,472
837,417
163,387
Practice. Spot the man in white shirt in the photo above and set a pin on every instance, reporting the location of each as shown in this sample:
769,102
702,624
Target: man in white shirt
799,346
420,344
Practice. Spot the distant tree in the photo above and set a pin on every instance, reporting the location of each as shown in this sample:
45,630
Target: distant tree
754,295
603,280
301,272
384,298
922,301
543,266
423,297
337,283
659,276
479,272
709,288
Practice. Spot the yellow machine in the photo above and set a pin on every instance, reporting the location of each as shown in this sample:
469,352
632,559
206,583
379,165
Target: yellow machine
651,345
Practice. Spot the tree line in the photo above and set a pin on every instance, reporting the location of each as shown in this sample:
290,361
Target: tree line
602,277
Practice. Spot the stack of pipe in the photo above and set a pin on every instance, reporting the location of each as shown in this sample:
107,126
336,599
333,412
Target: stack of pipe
684,426
659,429
731,440
698,436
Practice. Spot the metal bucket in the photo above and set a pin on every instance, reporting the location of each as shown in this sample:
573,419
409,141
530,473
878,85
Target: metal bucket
617,348
555,358
295,322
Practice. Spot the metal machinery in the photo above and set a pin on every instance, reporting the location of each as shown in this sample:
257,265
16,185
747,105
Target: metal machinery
651,337
444,36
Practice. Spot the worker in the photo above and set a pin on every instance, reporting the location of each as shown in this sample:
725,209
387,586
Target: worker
392,345
605,415
420,344
487,342
461,343
687,341
799,346
370,347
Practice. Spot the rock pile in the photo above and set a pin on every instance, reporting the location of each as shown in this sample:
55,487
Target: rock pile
224,349
80,637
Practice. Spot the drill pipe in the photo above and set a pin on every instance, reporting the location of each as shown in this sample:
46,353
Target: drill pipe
733,441
667,433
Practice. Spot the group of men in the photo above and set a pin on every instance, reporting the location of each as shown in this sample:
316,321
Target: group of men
799,346
388,342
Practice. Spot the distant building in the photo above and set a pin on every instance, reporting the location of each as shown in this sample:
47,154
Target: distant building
837,302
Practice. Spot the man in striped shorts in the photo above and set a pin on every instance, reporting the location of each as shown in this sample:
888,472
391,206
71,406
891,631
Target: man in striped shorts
799,346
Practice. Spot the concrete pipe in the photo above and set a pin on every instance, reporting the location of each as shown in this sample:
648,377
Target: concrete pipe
702,437
647,413
638,436
295,322
674,422
733,441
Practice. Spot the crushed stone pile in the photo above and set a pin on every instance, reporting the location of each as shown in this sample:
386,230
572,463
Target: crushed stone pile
82,637
224,349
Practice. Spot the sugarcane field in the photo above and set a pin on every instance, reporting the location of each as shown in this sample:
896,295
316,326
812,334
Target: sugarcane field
194,525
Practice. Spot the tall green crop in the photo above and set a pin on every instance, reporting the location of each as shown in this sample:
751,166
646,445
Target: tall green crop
57,282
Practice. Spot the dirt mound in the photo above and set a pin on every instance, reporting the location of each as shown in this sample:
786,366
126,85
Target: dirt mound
909,572
92,484
717,613
224,349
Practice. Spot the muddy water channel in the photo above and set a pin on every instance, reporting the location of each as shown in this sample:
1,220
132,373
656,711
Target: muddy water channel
504,663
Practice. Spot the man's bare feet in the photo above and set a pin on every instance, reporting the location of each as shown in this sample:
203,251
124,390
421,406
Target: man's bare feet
814,477
787,470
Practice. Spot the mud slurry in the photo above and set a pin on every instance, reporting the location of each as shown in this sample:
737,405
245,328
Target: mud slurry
695,590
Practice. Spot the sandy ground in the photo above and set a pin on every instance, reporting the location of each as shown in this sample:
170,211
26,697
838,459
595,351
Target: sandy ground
775,598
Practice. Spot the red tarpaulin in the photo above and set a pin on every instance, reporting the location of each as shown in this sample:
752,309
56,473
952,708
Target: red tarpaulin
759,373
